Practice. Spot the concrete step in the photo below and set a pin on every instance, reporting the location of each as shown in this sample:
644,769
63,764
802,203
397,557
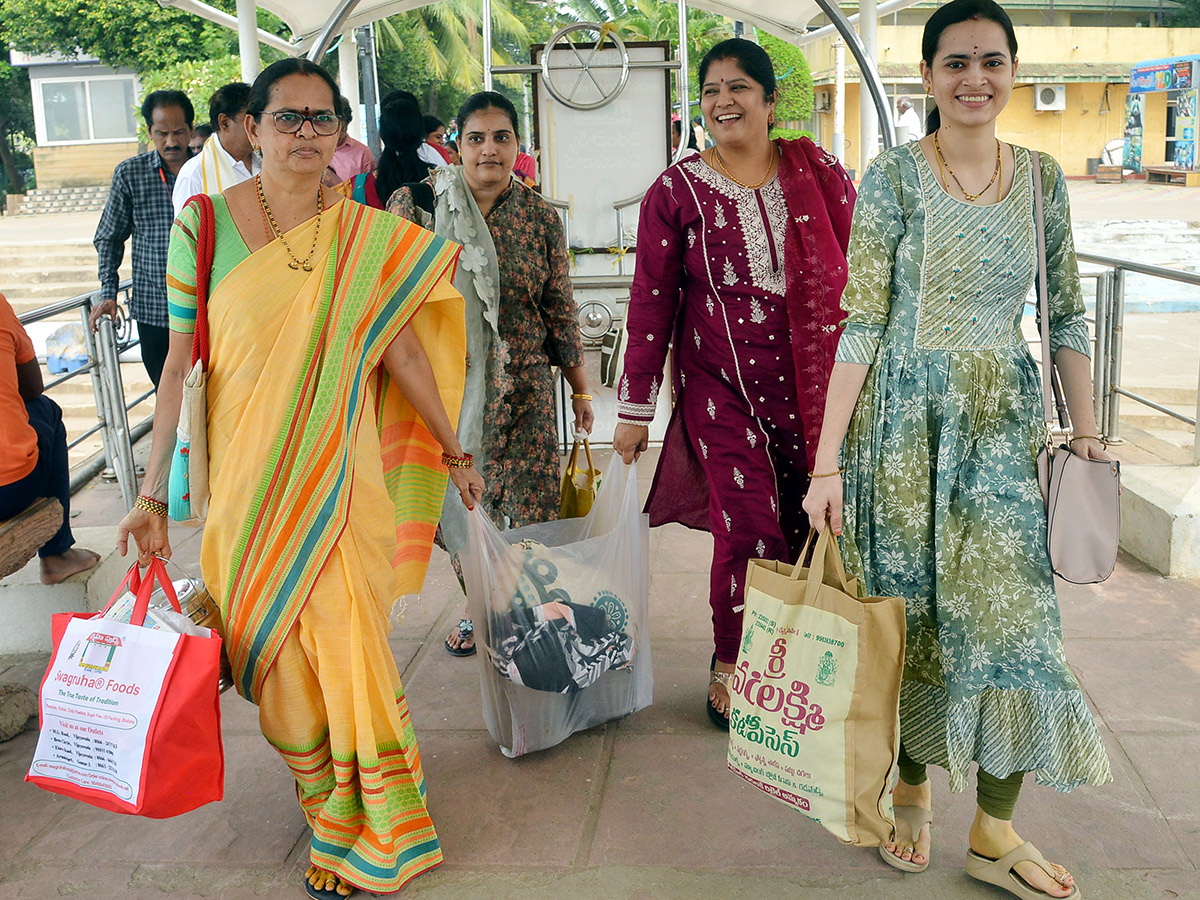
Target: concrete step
48,292
49,272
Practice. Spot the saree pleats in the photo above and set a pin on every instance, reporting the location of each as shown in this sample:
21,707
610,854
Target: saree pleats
326,488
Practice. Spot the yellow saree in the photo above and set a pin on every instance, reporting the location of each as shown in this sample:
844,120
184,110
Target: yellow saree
325,493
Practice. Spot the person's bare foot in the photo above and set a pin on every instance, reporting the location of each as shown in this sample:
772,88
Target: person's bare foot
461,641
910,850
56,569
718,694
994,838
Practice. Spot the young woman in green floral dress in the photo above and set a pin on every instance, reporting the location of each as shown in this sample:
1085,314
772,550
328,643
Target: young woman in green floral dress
938,400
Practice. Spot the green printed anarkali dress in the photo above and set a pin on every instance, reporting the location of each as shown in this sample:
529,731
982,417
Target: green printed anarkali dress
941,494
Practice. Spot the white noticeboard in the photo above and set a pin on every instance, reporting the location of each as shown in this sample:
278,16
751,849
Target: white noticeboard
596,157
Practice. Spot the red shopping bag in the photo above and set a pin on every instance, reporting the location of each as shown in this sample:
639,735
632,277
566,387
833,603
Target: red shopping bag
129,715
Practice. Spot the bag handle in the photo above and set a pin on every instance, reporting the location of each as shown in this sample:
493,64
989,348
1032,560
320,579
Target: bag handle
143,587
1043,290
827,555
205,242
573,464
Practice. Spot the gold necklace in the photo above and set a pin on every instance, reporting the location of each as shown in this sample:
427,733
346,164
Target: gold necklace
937,149
295,263
730,176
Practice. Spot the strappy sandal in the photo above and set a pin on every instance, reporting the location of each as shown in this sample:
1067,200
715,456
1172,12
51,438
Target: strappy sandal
1002,873
914,818
326,893
721,678
466,632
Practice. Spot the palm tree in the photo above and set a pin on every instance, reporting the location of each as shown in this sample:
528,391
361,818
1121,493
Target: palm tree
447,36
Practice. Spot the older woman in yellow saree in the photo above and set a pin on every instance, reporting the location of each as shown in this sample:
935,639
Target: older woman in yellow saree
336,368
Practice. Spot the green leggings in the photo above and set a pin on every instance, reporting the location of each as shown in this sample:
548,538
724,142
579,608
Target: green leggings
996,796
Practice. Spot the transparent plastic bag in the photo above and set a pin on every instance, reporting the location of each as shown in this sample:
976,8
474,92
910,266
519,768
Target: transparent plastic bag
560,610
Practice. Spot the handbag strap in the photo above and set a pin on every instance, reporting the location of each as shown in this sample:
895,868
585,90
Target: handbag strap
1043,289
205,241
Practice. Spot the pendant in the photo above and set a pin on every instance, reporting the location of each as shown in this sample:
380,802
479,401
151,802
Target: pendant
305,266
293,265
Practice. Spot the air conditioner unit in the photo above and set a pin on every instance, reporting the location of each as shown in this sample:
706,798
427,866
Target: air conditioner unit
822,101
1050,97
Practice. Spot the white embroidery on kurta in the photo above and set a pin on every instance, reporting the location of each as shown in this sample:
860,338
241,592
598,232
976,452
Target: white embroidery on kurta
758,246
653,391
666,179
708,302
751,437
728,521
773,505
683,379
761,548
730,275
757,316
724,374
738,477
719,217
623,393
732,586
712,409
696,338
703,447
691,233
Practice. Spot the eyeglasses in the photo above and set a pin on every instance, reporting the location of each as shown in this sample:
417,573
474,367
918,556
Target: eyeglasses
289,122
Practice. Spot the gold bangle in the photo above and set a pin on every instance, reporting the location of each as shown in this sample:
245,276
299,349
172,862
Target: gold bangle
1086,437
825,474
150,505
587,397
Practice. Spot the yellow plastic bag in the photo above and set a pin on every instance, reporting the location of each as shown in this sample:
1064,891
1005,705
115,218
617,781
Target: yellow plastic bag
579,486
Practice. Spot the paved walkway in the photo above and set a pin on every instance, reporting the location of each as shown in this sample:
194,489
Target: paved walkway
644,808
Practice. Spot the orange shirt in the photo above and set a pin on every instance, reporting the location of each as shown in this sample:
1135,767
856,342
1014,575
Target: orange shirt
18,440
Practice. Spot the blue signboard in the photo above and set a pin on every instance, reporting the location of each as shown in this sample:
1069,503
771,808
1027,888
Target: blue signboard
1176,74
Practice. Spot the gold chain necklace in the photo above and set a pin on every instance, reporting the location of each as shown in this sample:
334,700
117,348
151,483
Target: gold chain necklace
730,176
295,263
996,173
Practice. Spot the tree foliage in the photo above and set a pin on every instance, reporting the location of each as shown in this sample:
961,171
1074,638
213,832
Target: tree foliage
198,79
16,124
794,81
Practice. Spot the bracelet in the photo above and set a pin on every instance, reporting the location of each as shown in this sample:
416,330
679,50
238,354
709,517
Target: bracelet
1086,437
825,474
587,397
150,505
458,462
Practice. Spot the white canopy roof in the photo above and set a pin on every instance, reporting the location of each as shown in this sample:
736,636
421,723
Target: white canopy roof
306,18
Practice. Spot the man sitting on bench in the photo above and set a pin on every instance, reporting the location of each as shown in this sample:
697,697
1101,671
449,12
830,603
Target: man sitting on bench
33,448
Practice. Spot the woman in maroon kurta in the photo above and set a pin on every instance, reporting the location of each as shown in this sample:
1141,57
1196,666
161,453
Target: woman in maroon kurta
740,266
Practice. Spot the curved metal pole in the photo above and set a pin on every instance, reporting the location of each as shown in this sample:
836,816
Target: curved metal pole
486,28
866,65
333,27
685,109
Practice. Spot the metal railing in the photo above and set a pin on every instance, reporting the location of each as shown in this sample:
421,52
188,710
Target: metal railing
1110,337
104,348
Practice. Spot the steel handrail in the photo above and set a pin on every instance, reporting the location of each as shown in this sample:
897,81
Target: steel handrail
1110,336
108,393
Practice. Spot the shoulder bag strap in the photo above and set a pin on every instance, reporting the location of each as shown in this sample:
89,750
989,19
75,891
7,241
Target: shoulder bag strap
204,261
1043,291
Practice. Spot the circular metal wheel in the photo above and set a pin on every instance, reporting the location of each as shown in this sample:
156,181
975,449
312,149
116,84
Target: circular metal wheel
122,329
595,320
586,65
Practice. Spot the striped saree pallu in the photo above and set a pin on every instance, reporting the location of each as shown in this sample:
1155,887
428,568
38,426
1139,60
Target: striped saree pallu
375,280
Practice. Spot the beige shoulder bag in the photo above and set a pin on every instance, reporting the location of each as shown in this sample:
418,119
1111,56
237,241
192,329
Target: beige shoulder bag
1083,509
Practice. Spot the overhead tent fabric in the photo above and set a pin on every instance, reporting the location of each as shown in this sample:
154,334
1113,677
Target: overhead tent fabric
787,19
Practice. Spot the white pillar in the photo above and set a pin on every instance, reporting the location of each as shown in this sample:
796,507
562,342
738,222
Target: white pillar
868,119
485,26
247,16
839,100
348,80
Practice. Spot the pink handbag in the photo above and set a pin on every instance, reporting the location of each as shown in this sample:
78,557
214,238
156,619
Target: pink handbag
1083,508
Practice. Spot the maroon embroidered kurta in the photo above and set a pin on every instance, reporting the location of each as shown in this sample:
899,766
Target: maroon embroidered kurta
744,284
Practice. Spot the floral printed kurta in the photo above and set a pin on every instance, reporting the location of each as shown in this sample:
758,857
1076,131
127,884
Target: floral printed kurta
538,328
941,496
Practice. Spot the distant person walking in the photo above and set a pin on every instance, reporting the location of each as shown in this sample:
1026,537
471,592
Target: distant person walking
435,136
351,158
405,157
33,449
226,158
909,119
139,205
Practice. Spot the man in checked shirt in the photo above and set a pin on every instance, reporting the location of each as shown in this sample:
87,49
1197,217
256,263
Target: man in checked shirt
139,204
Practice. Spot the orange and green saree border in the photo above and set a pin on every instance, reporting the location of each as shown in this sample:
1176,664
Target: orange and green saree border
377,277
